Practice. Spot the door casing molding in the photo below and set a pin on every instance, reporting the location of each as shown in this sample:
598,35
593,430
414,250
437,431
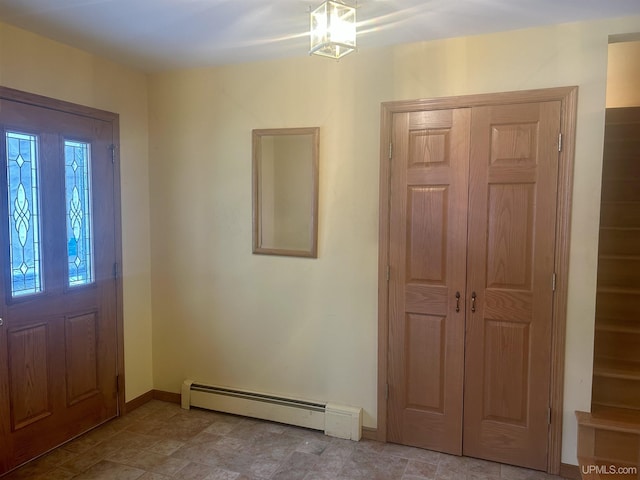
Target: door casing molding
567,96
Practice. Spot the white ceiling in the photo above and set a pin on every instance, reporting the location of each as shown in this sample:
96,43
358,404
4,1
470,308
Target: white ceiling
154,35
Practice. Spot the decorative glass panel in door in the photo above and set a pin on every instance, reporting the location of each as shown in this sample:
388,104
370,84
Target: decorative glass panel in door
77,163
24,218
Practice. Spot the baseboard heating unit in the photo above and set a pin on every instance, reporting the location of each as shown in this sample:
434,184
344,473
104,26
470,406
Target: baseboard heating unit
335,420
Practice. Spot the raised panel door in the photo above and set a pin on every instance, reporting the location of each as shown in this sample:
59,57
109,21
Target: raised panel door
511,241
427,259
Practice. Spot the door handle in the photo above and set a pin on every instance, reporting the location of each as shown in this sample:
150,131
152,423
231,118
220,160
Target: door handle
457,301
473,302
1,322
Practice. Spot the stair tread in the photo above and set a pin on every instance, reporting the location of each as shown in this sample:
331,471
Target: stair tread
613,368
606,289
618,420
616,323
632,229
632,330
614,256
609,404
620,202
615,411
616,329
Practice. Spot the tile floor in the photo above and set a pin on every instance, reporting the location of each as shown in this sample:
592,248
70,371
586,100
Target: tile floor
160,441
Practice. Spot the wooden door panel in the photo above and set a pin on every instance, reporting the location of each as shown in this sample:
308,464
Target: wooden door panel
511,235
425,346
82,362
514,143
428,147
510,224
506,364
427,260
426,249
29,383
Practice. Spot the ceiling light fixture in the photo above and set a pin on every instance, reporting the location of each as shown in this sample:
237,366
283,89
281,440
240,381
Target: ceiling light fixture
333,29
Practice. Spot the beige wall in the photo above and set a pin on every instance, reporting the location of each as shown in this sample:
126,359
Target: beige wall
308,327
623,75
37,65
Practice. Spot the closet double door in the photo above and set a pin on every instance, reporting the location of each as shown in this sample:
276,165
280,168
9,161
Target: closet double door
473,195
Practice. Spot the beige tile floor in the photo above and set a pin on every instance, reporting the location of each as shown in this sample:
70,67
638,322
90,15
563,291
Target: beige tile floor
160,441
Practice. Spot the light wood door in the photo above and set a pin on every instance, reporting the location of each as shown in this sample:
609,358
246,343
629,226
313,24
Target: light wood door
511,247
58,356
473,196
427,258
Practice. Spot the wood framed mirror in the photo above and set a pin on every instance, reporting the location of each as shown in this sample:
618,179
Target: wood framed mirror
285,191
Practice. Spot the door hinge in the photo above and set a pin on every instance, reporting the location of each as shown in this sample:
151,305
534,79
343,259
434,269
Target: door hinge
553,282
117,383
112,147
115,270
390,150
386,391
388,273
560,142
549,416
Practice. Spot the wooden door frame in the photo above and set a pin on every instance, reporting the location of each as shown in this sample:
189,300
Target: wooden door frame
567,96
113,118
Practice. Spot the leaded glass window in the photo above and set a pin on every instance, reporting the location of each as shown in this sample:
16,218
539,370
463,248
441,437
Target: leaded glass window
77,166
24,214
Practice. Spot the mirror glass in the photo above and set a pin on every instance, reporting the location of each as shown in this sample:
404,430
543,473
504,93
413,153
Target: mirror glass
285,191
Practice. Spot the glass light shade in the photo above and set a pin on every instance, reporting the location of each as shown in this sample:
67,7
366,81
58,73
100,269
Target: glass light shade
333,30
